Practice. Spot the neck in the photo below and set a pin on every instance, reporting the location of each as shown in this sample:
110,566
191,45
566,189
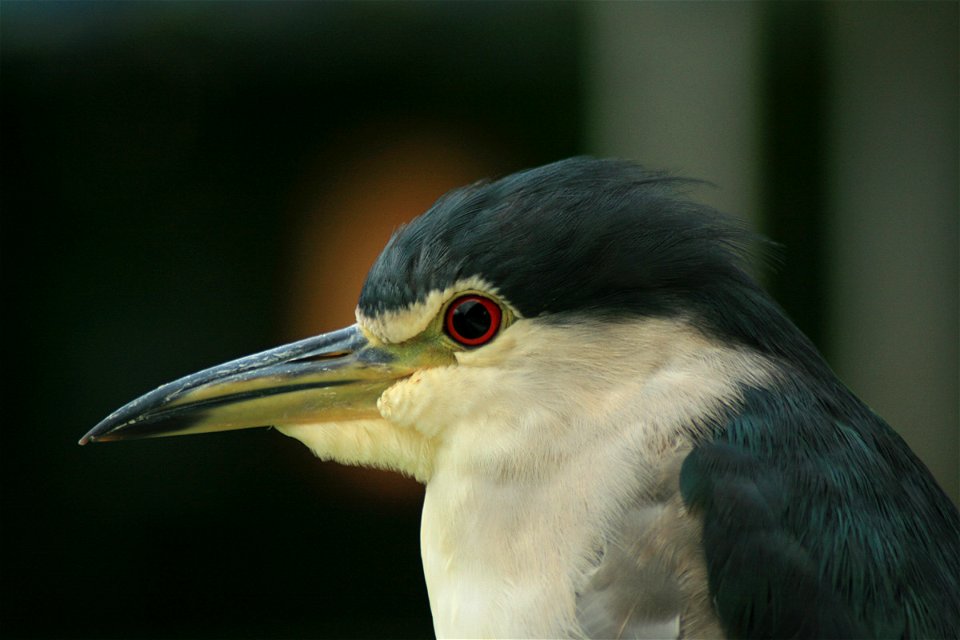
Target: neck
521,504
491,569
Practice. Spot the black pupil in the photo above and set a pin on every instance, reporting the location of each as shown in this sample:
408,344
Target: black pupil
471,319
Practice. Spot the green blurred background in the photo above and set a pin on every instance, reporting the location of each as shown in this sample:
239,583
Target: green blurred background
184,183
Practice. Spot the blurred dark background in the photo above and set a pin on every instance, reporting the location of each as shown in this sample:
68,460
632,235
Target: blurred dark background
185,183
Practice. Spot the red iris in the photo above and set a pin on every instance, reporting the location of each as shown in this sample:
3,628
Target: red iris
472,320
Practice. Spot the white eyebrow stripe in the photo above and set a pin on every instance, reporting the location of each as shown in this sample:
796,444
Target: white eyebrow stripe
399,325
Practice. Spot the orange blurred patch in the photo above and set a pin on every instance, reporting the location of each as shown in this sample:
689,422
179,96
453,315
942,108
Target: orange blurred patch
345,215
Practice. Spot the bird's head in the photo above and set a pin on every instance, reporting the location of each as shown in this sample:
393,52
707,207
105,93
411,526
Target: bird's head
546,294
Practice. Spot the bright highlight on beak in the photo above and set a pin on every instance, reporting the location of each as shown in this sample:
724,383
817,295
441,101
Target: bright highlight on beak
331,377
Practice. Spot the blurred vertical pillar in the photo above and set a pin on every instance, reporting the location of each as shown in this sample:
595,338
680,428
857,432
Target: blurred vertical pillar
794,73
894,237
673,86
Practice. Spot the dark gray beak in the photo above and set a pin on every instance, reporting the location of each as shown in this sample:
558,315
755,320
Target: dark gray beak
327,378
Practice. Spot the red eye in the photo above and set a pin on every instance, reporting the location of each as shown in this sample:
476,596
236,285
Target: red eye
472,320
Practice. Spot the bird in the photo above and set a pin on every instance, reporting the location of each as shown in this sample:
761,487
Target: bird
621,434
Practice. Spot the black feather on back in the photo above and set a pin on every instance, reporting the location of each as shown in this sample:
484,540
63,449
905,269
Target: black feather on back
820,522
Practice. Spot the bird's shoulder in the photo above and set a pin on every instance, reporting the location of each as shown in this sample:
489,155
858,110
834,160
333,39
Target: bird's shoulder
819,521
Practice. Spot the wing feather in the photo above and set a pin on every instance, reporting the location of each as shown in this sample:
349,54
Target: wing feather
819,522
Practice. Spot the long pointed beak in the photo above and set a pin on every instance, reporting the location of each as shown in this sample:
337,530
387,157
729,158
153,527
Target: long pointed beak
327,378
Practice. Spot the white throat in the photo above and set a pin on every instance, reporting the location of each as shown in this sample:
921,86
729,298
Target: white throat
554,436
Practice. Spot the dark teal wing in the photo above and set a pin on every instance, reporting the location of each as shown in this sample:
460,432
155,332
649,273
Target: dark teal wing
819,522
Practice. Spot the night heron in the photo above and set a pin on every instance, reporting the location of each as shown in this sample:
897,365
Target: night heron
620,433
